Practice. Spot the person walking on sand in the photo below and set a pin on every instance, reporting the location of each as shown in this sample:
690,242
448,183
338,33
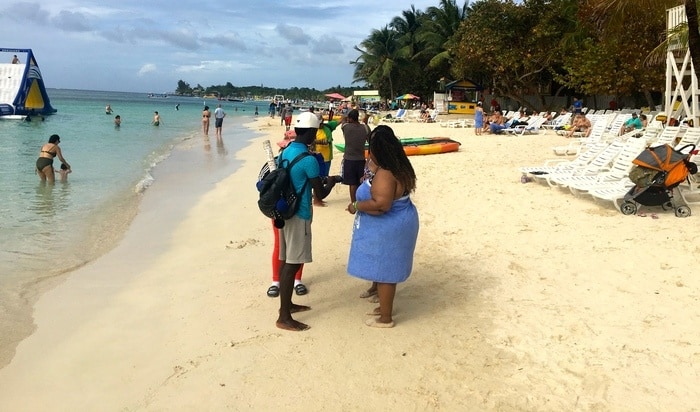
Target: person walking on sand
353,166
385,228
219,115
156,119
287,116
206,114
295,235
44,164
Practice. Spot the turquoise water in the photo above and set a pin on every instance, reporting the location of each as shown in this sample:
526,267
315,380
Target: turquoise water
47,230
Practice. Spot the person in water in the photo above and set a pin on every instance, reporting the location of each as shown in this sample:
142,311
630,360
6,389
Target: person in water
117,121
44,164
156,119
63,172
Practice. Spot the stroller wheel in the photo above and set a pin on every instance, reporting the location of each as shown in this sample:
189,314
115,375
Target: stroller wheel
682,211
667,206
628,208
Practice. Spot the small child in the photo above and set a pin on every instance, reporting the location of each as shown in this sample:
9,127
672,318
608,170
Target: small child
64,172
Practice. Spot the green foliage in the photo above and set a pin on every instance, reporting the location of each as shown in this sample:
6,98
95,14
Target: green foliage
514,48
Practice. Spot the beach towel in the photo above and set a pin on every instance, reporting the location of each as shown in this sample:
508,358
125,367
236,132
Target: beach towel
382,246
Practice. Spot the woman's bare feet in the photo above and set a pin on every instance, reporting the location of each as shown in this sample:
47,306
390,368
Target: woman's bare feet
372,291
375,323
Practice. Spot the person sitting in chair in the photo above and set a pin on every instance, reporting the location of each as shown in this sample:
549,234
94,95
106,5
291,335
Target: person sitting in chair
581,125
631,124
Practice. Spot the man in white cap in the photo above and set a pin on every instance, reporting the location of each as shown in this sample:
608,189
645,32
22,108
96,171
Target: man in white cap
295,235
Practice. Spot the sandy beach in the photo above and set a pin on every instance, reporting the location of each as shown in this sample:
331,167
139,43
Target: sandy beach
522,298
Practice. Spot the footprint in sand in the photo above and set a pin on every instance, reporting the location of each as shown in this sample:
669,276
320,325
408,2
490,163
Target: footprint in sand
241,244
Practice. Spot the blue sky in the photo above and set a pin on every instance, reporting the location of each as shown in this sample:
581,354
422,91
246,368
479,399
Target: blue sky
148,45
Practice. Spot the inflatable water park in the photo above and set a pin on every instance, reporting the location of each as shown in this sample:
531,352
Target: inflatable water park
22,89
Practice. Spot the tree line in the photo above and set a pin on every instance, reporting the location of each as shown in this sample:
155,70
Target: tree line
527,51
250,92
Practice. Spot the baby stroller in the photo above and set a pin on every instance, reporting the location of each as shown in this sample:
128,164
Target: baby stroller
657,173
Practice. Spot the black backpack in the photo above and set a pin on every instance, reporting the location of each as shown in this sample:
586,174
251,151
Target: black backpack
278,199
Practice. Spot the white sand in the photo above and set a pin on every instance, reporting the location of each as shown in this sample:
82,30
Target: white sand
522,298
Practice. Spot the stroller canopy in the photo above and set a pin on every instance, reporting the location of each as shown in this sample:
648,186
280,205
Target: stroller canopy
662,158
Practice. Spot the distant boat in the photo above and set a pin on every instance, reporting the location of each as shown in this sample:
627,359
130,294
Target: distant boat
22,89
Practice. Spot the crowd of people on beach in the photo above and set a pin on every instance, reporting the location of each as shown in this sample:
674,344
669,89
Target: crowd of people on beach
380,179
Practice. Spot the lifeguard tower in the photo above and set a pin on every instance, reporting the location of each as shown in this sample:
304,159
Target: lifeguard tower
681,98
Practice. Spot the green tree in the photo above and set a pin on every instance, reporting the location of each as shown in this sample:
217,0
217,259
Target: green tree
611,61
183,88
379,62
511,48
440,25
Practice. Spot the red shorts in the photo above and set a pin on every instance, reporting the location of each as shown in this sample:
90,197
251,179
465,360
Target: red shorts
288,121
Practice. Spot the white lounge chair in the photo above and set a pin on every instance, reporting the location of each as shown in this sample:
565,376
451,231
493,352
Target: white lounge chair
597,164
560,165
615,176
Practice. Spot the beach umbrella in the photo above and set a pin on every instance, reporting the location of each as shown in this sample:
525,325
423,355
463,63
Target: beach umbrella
408,96
337,96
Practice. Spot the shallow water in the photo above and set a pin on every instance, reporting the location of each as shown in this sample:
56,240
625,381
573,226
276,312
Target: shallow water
47,230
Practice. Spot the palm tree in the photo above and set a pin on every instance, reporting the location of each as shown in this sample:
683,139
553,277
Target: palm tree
440,25
380,56
407,28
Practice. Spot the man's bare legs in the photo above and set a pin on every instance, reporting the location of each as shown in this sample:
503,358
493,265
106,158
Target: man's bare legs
353,192
285,321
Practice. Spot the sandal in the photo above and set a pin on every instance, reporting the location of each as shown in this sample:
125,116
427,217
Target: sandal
300,289
273,291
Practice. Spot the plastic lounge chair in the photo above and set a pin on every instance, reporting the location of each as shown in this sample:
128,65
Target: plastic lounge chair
596,165
559,165
615,176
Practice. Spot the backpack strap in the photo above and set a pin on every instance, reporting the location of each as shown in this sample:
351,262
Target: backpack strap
294,161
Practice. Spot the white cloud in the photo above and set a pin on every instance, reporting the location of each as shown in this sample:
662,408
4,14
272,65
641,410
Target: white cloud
147,68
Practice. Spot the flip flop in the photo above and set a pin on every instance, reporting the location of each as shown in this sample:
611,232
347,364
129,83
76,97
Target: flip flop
654,216
300,289
273,291
642,214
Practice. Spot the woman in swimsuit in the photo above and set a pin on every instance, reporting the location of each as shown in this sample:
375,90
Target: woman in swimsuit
44,164
205,120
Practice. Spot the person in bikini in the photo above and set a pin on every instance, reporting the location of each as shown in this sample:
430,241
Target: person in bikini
206,114
44,164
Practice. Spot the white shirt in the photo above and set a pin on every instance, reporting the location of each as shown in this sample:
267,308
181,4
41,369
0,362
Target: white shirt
219,113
